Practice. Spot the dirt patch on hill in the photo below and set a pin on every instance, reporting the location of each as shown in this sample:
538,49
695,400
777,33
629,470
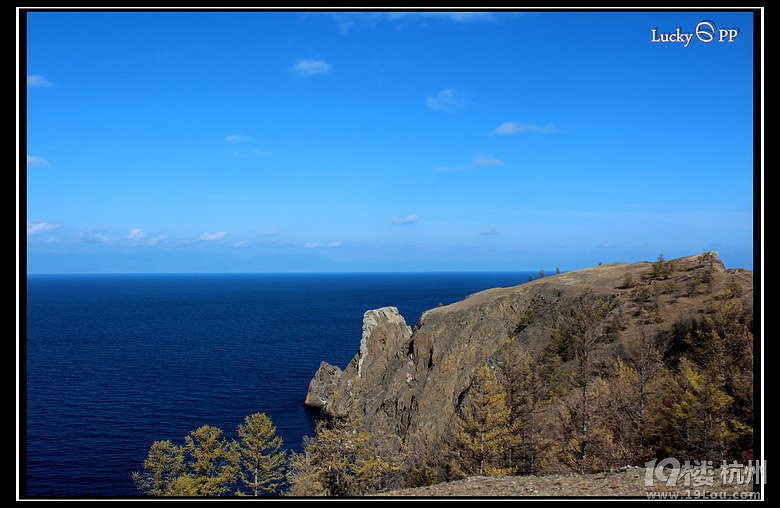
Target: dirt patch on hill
628,482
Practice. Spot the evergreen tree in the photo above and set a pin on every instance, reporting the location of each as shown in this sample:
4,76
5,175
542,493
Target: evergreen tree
344,459
213,461
636,390
717,381
526,397
582,333
699,415
261,456
485,430
163,465
303,475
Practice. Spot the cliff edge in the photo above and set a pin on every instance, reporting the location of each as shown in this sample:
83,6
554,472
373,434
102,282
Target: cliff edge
411,383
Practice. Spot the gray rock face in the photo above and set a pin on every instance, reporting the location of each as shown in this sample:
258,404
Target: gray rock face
383,352
322,385
410,384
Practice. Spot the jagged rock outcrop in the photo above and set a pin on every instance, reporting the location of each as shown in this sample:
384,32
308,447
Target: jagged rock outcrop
384,350
411,384
322,385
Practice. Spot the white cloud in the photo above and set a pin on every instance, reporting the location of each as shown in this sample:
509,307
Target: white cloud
38,81
33,161
480,161
448,99
242,243
308,67
135,234
210,237
509,128
489,232
237,138
138,237
154,240
36,228
409,219
322,245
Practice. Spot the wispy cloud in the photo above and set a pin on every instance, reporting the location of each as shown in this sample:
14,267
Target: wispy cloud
348,21
489,232
448,99
457,16
260,238
153,240
409,219
237,138
36,228
139,237
307,67
483,160
210,237
38,81
34,161
95,237
509,128
480,161
322,245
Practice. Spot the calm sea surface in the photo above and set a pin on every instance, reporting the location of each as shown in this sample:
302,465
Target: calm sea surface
115,362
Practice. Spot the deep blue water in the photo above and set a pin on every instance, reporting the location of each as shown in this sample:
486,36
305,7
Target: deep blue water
115,362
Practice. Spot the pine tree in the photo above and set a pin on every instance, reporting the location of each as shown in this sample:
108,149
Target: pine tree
699,415
303,475
718,381
485,431
261,456
344,459
635,394
525,395
581,334
213,461
163,465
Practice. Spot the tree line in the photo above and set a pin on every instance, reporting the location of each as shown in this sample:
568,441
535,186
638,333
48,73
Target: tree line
341,459
207,464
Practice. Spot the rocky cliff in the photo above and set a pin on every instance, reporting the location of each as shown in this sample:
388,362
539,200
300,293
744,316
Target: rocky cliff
410,383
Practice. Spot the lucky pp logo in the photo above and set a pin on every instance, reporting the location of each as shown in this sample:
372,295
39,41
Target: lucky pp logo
706,31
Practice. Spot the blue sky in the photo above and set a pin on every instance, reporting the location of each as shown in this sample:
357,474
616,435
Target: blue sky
257,141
